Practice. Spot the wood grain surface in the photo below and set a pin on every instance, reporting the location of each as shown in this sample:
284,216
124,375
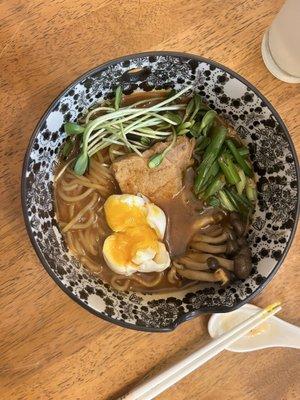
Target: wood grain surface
50,347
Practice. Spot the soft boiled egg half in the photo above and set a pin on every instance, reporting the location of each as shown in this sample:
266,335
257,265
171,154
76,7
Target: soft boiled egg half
136,244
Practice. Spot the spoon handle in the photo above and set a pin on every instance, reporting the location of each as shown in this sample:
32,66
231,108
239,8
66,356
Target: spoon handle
293,345
291,335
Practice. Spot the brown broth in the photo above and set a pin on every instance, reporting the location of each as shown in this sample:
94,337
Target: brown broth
99,228
181,212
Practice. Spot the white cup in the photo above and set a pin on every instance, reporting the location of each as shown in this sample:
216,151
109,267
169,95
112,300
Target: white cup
281,43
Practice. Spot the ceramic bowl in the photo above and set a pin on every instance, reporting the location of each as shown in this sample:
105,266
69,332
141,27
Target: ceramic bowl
272,153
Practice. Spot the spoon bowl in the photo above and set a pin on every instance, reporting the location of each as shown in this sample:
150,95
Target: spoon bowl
273,333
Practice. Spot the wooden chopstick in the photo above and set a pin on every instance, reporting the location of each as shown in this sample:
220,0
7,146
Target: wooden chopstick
167,378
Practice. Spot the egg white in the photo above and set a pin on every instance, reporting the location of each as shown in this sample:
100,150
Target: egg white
130,199
156,218
158,263
122,269
147,259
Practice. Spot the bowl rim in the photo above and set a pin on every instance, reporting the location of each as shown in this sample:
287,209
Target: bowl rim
192,314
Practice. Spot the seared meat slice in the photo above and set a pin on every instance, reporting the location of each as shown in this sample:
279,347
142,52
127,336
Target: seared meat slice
160,183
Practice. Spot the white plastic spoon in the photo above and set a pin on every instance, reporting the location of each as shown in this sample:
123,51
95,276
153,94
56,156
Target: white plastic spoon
273,333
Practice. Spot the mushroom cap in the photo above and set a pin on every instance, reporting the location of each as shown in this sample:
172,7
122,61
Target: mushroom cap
232,247
213,263
243,263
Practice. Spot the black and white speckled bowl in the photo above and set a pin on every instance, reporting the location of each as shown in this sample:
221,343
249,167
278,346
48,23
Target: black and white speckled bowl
274,159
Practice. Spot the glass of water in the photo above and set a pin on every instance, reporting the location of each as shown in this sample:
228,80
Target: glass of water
281,43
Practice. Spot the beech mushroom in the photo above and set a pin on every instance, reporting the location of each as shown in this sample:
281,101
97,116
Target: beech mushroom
202,258
232,247
211,239
220,275
213,263
228,248
205,220
237,224
214,230
193,264
242,242
172,275
243,263
209,248
206,243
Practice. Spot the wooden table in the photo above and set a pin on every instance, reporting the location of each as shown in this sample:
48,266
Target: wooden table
50,347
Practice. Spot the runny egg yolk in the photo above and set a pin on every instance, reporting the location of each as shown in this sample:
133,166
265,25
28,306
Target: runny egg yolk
121,215
138,226
125,245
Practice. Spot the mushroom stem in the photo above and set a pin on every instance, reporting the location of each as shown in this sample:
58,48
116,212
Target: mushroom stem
202,257
215,230
238,226
177,265
209,239
218,276
205,220
197,275
192,264
172,275
209,248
